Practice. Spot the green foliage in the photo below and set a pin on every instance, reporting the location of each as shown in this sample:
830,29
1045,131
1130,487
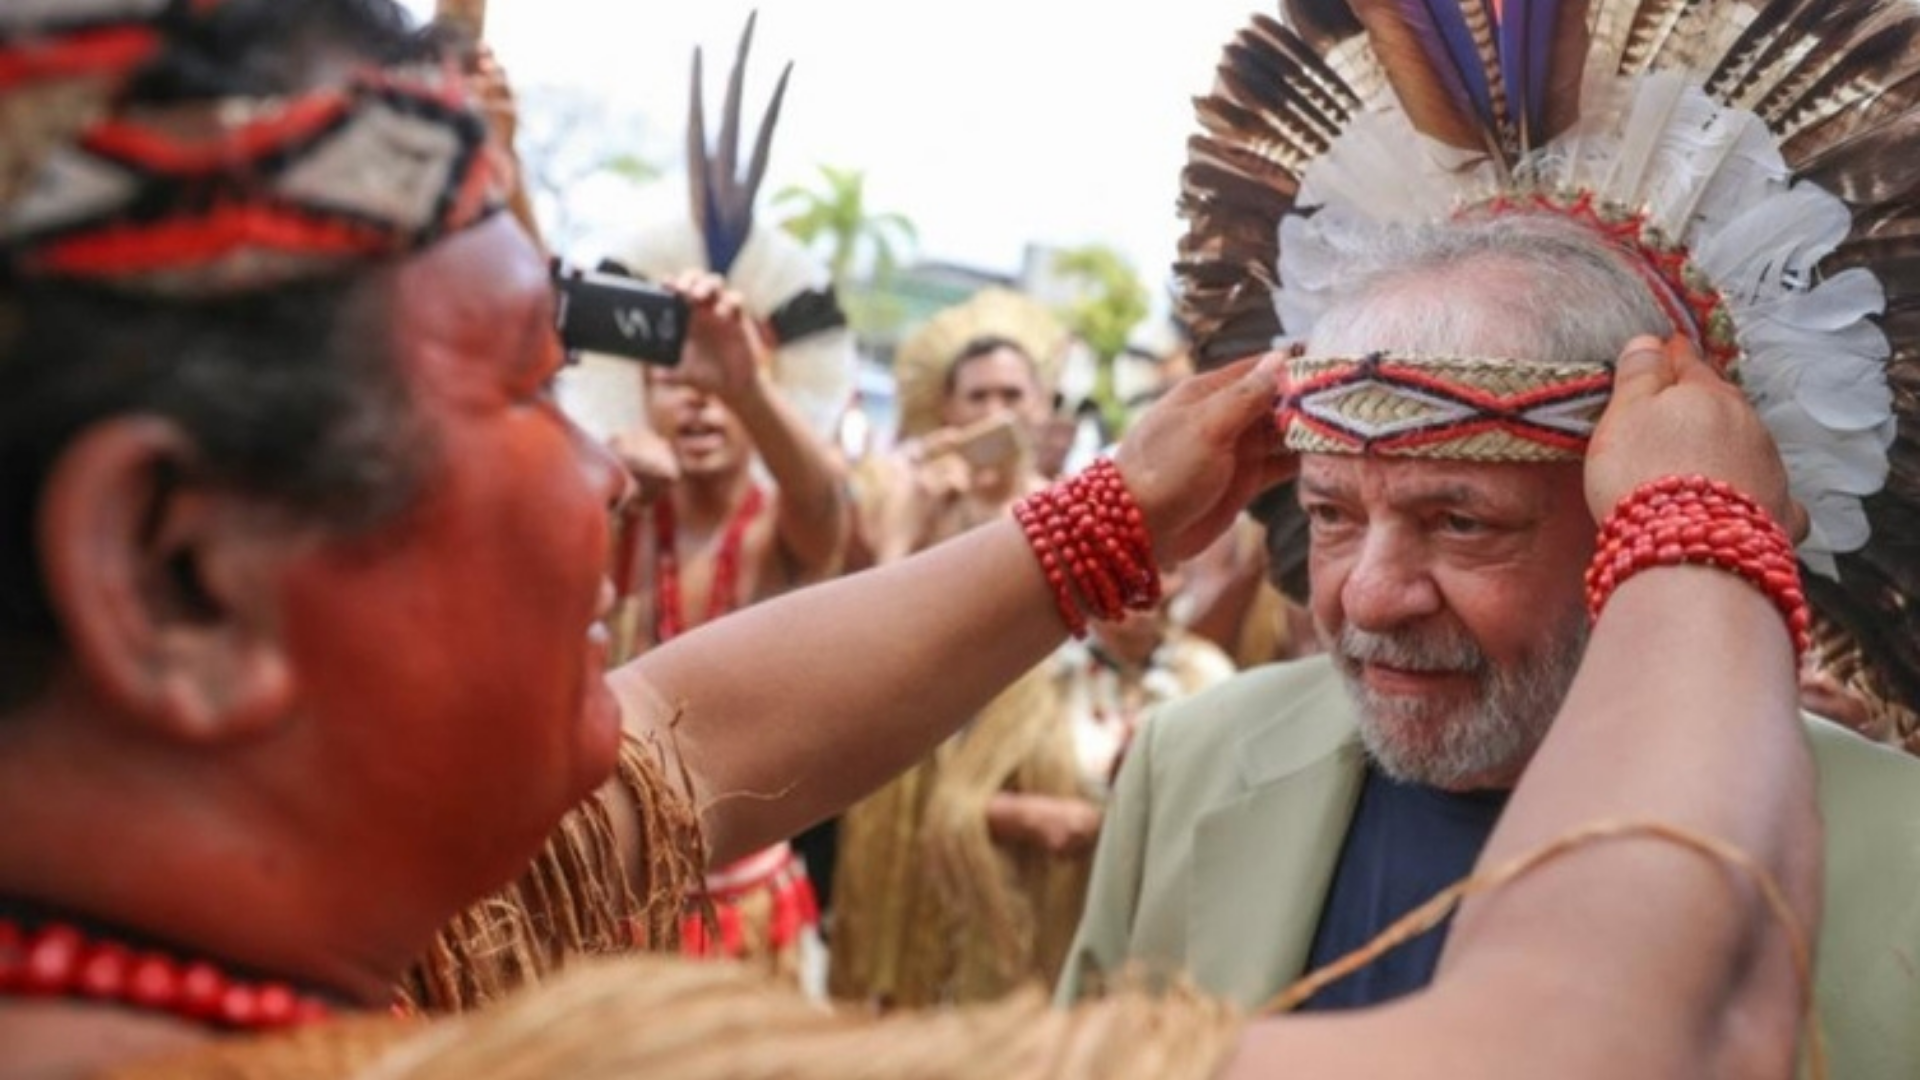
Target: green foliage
835,216
632,168
1112,301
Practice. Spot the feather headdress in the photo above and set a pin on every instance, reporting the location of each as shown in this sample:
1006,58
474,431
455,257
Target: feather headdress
1752,152
779,280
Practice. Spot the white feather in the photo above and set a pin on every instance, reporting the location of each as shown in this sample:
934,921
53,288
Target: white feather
666,249
1640,140
815,373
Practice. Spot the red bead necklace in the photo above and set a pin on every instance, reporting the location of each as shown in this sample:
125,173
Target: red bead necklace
723,595
59,960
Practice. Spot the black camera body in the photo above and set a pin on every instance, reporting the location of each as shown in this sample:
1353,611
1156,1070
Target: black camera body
610,311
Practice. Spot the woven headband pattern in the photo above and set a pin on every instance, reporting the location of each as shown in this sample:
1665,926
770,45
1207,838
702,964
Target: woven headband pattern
1453,408
221,196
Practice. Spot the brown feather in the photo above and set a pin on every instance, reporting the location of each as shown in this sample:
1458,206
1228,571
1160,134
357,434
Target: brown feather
1422,93
1486,43
1229,210
1276,105
1881,80
1649,32
1323,24
1332,35
1282,70
1610,25
1871,167
1291,51
1268,135
1259,123
1852,36
1778,25
1902,325
1571,40
1709,31
1261,83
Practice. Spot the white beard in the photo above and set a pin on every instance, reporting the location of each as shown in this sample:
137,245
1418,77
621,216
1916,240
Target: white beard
1448,744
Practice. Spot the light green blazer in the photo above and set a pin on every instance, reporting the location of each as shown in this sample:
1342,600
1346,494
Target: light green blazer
1220,842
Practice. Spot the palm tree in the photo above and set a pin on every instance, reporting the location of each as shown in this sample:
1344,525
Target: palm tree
1112,302
836,214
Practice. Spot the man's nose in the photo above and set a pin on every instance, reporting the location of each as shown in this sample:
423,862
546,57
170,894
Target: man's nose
1390,584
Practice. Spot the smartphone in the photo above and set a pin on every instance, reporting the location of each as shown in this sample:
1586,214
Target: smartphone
991,443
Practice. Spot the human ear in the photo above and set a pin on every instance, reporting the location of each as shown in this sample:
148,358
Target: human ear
163,588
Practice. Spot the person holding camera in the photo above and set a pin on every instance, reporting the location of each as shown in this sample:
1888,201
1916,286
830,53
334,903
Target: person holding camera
761,506
720,539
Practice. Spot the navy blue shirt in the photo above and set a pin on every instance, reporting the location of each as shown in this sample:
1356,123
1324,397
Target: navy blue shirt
1406,843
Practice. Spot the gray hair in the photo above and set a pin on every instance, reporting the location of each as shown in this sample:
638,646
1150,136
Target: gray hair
1529,285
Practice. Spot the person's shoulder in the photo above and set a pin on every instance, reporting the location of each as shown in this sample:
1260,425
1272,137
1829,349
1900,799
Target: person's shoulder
1855,770
1197,662
1300,703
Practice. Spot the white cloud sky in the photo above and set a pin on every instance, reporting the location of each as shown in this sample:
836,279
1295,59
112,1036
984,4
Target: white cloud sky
990,123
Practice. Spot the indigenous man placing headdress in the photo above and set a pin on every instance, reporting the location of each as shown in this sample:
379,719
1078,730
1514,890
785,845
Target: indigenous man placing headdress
1455,214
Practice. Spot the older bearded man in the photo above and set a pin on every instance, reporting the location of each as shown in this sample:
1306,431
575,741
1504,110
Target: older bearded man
1280,821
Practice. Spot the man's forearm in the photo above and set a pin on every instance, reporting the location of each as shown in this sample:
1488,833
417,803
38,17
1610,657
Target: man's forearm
1683,713
813,512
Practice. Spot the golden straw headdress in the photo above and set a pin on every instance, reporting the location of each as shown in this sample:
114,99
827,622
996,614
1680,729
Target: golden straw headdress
920,365
1752,159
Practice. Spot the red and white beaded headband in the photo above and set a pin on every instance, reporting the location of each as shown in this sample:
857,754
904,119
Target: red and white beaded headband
1458,408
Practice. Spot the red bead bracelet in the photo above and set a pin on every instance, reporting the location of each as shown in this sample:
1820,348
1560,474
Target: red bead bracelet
1694,520
1092,543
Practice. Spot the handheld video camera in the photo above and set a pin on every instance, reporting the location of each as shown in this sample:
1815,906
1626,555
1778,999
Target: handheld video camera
607,310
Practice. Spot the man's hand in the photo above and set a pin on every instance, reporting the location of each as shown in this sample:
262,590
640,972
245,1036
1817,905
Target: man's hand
1056,824
489,81
725,353
1198,454
1672,415
649,462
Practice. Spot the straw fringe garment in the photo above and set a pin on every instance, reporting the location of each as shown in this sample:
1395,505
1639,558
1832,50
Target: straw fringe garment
579,899
693,1020
929,910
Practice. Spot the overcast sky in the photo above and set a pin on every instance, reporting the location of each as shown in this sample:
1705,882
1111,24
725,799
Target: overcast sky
989,123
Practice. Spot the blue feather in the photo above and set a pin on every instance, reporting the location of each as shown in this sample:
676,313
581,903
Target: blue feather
1526,62
1456,43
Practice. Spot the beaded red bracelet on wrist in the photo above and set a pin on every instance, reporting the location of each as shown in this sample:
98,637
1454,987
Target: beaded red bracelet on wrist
1694,520
1092,543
